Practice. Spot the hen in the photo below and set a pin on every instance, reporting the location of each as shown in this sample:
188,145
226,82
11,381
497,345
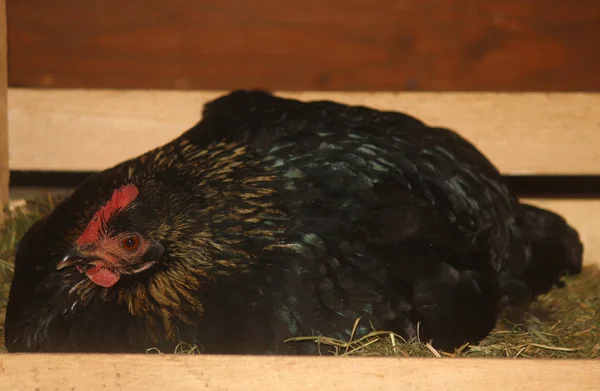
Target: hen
273,218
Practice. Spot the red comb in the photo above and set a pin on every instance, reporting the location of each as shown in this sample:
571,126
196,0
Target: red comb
119,200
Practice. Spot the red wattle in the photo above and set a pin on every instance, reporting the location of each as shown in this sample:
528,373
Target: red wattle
102,276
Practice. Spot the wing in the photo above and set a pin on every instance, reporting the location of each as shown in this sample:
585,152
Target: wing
414,223
359,155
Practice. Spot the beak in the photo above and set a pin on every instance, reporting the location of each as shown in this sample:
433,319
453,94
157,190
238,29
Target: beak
74,257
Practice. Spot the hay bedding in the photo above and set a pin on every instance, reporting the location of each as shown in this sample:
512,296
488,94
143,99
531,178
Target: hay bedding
564,323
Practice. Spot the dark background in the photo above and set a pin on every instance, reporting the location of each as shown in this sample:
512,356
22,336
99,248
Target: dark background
427,45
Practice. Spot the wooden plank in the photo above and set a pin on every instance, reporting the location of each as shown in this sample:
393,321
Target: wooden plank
433,45
4,173
522,133
584,215
248,373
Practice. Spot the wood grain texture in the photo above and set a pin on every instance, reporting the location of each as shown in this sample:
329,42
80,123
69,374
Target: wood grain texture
390,45
522,133
4,173
264,373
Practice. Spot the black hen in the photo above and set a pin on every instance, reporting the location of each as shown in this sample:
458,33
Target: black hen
274,218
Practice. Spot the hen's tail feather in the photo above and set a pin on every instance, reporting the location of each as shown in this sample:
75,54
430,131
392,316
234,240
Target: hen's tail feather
556,249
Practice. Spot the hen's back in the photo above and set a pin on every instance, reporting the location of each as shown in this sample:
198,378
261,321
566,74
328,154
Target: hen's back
403,223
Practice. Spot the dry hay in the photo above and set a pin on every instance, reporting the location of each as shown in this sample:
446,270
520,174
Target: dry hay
572,330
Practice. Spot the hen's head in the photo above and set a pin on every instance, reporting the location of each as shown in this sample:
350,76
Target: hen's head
115,241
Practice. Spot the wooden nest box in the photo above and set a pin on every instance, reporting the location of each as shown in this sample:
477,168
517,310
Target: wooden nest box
525,134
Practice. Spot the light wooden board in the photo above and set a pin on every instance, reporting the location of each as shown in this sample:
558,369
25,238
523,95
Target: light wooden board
522,133
3,114
249,373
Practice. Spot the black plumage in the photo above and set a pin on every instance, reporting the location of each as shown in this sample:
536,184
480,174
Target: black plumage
273,218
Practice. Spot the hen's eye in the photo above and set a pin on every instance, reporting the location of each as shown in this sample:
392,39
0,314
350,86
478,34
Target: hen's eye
130,243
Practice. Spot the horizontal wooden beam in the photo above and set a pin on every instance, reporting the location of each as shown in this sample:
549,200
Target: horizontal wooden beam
522,133
249,373
434,45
